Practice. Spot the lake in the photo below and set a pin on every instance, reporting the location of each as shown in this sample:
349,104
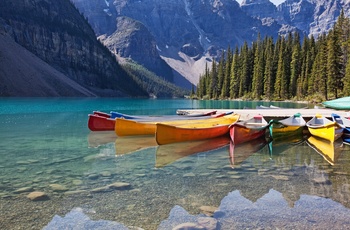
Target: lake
96,180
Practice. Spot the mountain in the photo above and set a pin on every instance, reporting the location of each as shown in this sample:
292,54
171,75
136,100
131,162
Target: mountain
186,33
189,34
48,49
311,17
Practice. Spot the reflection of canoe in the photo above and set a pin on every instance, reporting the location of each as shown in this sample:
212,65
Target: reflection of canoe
321,126
248,130
330,151
100,123
240,152
167,134
293,125
96,139
340,103
124,127
279,145
167,154
124,145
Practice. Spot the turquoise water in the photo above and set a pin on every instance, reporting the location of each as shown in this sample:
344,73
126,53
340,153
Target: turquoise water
101,180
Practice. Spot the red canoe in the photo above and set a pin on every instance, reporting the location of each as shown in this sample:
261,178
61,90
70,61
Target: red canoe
251,129
100,123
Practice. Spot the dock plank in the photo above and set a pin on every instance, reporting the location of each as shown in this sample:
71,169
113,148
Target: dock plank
277,113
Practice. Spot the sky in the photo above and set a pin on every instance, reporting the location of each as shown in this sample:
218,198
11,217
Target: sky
276,2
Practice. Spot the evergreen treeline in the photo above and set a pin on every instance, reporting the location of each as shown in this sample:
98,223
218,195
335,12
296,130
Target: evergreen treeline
153,84
290,68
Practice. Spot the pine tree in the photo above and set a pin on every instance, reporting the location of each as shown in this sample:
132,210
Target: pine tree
279,83
225,92
295,65
318,79
334,63
346,89
234,75
221,75
213,86
244,84
269,69
258,71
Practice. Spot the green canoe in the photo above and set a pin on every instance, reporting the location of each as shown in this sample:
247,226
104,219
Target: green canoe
340,103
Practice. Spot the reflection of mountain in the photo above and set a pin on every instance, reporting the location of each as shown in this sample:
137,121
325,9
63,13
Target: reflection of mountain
330,151
270,211
237,212
129,144
167,154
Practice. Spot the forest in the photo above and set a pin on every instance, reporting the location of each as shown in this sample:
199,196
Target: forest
290,68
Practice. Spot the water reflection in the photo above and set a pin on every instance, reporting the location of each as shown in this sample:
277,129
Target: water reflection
201,177
130,144
330,151
96,139
239,153
235,212
167,154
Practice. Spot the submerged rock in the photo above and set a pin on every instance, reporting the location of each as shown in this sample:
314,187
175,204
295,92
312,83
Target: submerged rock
119,186
23,190
58,188
37,196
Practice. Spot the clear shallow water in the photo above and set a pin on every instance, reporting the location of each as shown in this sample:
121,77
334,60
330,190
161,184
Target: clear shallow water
46,146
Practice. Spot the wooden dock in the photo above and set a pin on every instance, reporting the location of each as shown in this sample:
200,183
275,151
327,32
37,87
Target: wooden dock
277,113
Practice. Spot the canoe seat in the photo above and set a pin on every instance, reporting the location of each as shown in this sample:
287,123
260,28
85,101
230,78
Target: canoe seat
255,124
296,120
319,122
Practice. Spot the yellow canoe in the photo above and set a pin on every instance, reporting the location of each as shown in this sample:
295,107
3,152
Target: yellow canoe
170,133
330,151
324,128
125,127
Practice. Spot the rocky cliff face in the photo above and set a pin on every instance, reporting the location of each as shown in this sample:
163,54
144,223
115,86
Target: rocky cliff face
186,33
57,34
311,17
259,8
132,40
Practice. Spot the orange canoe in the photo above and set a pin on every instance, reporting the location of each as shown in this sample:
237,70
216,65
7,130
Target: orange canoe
124,127
168,133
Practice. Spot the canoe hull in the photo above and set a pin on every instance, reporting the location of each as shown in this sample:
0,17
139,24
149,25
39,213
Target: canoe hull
240,134
322,127
277,132
250,129
167,134
100,123
291,126
340,103
124,127
329,132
